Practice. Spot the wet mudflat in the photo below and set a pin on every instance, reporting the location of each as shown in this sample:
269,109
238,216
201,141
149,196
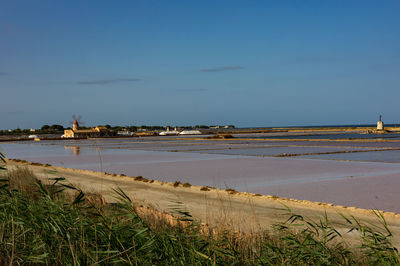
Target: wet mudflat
364,174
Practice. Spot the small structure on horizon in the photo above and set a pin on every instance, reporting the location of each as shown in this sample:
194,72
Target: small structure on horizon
169,132
379,124
94,132
125,133
190,132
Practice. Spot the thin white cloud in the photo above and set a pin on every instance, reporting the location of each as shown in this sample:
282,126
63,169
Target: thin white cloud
220,69
107,81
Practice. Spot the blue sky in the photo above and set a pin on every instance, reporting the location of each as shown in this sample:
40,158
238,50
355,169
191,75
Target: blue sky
247,63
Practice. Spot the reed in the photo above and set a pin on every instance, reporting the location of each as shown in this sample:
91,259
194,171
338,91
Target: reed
57,223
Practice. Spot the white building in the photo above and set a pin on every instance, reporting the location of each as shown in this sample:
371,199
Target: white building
190,132
169,133
125,133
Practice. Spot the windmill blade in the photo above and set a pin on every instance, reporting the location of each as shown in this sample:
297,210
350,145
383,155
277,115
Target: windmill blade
75,118
80,121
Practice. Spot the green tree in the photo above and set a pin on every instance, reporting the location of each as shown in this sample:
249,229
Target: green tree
56,127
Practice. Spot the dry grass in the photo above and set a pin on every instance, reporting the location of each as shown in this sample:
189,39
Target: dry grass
22,178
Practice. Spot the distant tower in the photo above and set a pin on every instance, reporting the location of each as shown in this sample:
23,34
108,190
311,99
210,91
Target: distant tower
168,128
379,125
75,126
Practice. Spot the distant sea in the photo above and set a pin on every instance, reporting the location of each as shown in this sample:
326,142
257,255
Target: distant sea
324,126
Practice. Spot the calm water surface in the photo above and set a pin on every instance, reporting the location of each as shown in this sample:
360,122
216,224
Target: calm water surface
238,163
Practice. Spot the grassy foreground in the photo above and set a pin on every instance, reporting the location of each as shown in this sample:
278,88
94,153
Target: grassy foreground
56,223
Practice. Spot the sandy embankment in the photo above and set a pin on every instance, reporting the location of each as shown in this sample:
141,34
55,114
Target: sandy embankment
241,211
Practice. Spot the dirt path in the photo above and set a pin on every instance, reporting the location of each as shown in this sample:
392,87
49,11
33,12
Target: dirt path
242,211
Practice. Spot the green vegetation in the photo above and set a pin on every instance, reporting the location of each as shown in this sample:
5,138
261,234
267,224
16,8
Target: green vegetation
201,126
45,129
52,128
16,131
57,223
59,129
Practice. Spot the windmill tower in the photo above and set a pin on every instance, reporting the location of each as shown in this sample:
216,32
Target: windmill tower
76,121
75,125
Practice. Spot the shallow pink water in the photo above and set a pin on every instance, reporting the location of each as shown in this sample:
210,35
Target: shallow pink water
360,184
368,192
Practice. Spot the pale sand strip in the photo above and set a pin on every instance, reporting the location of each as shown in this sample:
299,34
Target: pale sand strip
242,211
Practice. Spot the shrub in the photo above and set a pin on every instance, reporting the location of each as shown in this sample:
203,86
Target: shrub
231,191
186,184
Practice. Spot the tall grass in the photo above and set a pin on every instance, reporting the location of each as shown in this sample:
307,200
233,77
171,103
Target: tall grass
56,223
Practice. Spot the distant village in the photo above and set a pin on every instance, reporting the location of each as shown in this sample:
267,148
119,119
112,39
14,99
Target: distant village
81,132
104,131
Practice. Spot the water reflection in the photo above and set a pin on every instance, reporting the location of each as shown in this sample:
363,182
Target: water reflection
75,149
